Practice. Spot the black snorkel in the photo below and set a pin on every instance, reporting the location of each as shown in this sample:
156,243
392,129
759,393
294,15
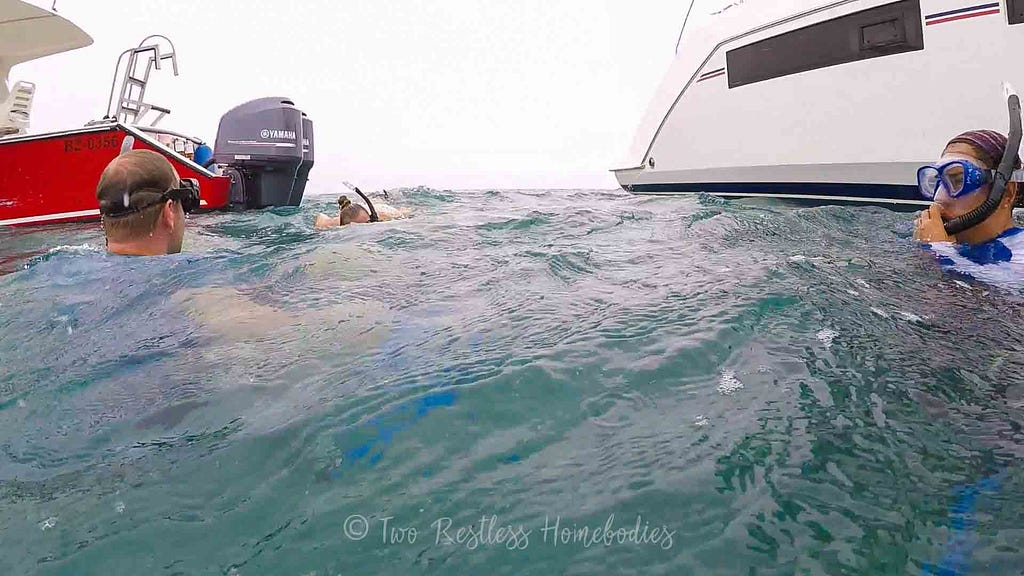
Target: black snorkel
373,211
1003,175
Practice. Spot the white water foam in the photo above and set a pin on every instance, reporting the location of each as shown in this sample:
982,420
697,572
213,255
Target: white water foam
728,384
826,336
80,249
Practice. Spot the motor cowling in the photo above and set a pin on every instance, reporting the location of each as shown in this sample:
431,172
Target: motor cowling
266,147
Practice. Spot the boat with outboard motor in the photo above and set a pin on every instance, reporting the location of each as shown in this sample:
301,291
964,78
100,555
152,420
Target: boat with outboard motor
262,155
822,101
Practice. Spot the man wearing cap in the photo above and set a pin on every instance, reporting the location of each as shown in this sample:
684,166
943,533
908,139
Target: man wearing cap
143,204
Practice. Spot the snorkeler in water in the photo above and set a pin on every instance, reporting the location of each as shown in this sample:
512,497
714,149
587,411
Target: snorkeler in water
143,203
350,213
974,187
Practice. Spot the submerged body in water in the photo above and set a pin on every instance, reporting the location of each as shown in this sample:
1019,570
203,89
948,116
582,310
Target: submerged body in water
768,385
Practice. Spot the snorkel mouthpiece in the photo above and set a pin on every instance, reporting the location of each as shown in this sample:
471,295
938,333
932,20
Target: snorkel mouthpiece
1003,174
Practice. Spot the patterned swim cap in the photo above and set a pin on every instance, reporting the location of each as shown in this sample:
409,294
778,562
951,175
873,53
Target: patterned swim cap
992,143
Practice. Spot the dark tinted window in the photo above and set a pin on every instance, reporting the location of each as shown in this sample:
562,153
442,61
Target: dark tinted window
1015,11
882,31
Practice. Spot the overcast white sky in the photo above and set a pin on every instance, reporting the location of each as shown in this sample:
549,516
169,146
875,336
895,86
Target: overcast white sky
444,93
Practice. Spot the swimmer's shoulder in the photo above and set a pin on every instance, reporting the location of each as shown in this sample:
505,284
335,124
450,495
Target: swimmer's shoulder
1013,235
1013,240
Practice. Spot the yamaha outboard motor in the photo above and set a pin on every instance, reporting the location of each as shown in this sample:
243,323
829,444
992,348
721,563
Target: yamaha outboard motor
307,151
266,147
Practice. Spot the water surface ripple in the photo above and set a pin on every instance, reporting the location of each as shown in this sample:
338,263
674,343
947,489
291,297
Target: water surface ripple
730,387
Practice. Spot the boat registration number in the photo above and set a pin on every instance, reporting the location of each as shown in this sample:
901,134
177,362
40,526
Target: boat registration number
90,143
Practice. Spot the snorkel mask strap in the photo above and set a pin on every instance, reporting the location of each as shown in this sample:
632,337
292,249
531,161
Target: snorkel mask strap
1004,174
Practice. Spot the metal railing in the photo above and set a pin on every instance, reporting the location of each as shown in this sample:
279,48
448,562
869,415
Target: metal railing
130,106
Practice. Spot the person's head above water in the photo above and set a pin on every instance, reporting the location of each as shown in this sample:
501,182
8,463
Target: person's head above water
349,213
960,181
142,213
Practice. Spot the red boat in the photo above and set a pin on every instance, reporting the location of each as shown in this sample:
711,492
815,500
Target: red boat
263,154
51,178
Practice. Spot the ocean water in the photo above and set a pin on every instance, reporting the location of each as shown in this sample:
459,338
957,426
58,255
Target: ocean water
510,382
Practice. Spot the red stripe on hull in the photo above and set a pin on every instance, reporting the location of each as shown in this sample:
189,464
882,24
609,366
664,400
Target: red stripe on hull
45,177
962,17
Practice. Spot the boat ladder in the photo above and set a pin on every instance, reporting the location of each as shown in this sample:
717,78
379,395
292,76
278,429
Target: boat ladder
130,106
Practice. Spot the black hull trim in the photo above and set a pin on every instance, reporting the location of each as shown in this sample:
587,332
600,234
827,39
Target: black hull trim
895,196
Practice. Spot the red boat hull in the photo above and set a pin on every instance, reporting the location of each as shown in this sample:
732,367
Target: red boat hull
51,178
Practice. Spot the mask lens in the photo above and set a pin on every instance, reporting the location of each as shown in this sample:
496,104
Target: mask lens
928,181
187,194
953,178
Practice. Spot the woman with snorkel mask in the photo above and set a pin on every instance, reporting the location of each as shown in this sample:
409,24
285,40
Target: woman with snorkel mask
975,186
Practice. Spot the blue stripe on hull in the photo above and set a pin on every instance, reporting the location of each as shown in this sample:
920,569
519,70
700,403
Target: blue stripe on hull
962,10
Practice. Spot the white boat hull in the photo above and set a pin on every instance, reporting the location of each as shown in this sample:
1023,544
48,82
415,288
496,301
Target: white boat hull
849,132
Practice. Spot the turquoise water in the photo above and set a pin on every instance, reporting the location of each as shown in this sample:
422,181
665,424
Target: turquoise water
509,382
